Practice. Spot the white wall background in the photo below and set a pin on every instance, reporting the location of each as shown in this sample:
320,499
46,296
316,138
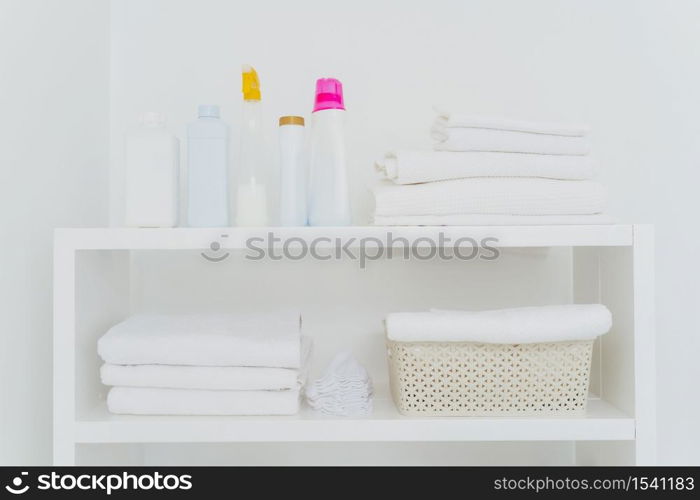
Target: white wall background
629,68
572,60
54,104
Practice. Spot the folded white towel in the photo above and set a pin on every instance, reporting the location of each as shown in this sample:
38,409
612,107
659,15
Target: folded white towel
446,119
522,325
491,220
487,195
149,401
233,378
242,339
413,167
508,141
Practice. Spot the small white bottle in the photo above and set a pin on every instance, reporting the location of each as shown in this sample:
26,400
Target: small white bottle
292,173
207,170
251,175
152,170
329,199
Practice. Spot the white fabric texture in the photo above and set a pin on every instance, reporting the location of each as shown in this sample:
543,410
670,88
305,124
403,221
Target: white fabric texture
445,119
509,141
522,325
235,378
491,195
153,401
240,339
345,389
491,220
413,167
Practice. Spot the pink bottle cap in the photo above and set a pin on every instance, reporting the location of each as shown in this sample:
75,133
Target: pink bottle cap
329,94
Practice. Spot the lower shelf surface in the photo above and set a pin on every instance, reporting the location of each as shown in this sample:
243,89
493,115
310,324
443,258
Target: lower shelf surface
602,422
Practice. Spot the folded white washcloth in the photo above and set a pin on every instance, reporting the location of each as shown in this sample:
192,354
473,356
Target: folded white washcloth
412,167
508,141
491,220
151,401
446,119
237,339
487,195
522,325
345,389
346,410
343,406
233,378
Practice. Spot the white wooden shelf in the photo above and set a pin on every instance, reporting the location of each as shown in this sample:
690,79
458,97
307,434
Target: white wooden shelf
236,237
98,282
602,422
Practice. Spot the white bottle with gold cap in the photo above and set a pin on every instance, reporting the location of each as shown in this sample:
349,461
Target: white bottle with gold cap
292,171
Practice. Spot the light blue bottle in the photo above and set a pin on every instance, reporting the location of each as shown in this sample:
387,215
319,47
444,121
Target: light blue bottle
207,172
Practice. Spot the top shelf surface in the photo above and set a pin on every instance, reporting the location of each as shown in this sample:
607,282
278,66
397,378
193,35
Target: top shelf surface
352,236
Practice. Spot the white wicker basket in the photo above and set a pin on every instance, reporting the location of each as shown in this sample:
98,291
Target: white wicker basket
474,379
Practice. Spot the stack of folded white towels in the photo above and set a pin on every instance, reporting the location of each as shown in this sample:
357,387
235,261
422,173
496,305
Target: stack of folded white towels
485,171
345,389
205,364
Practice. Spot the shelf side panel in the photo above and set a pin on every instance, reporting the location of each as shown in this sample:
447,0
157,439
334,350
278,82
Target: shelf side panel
645,345
63,351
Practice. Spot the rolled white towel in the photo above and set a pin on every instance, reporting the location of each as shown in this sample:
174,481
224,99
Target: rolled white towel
413,167
522,325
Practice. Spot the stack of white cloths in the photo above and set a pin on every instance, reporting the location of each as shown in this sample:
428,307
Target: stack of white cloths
205,364
345,389
490,171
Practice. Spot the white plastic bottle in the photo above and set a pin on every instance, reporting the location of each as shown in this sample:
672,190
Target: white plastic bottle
251,192
292,173
329,200
207,171
152,170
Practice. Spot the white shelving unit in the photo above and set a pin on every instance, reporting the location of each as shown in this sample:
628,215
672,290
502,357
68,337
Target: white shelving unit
99,279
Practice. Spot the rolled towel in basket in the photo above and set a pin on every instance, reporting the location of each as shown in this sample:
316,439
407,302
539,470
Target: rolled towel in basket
523,325
235,339
412,167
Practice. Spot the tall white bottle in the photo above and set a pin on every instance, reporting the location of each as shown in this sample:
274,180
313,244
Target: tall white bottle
252,175
152,170
329,200
207,159
292,207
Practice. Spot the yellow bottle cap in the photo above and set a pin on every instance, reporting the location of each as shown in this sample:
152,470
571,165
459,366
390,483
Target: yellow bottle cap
291,120
251,84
